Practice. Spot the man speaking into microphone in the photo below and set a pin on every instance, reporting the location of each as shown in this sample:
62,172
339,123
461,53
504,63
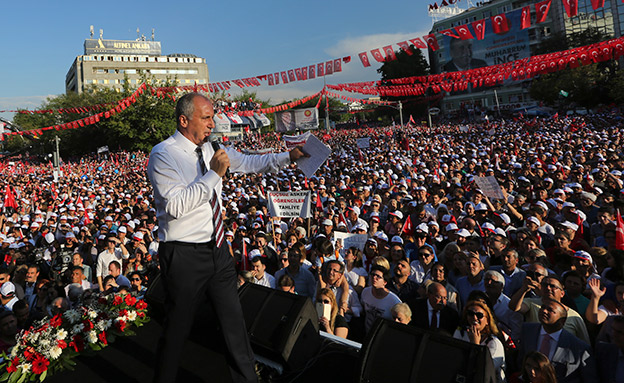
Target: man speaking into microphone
195,265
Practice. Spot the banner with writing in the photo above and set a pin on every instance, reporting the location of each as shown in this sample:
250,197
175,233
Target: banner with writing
289,204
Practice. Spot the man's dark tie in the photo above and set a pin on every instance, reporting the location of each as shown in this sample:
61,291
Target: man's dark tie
217,220
434,319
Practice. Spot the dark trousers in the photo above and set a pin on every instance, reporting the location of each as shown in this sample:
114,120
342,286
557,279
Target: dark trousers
189,273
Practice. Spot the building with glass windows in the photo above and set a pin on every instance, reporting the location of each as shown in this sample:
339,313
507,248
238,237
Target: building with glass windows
110,63
515,44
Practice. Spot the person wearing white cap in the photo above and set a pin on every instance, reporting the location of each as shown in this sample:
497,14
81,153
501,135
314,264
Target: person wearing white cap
7,295
353,218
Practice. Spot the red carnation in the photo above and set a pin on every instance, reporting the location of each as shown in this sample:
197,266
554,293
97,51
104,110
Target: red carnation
40,364
141,314
61,344
29,353
130,300
102,337
77,344
123,312
141,305
13,367
56,320
117,300
88,325
121,325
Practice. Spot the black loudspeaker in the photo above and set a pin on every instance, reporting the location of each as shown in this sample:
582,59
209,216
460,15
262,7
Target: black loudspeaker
394,352
282,326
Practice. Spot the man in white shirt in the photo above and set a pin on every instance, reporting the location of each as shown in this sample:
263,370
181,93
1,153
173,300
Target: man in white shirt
262,278
186,175
115,251
376,299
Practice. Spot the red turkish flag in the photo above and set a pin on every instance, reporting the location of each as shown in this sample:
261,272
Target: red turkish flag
284,78
619,232
291,75
311,71
405,47
298,74
526,17
449,33
320,69
304,73
597,4
432,42
390,56
364,59
463,32
329,67
418,43
500,25
271,83
571,7
377,55
277,78
479,28
337,65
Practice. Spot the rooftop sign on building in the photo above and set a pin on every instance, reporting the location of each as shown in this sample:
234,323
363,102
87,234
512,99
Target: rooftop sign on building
124,47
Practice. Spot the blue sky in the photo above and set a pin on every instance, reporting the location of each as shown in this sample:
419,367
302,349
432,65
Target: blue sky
40,39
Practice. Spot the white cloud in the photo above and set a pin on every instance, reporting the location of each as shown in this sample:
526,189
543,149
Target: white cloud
351,46
21,102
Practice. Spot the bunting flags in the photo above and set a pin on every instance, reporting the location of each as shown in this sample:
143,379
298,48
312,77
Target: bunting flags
571,7
463,32
525,18
364,58
479,28
377,55
500,24
432,42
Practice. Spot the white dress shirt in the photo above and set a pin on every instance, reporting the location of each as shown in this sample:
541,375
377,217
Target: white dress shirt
182,193
267,280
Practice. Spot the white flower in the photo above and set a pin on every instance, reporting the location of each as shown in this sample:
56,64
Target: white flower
122,318
72,315
92,314
132,316
55,352
25,367
45,343
61,334
92,337
103,325
77,328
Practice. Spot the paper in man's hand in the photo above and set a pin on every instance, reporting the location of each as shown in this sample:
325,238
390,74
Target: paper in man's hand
318,152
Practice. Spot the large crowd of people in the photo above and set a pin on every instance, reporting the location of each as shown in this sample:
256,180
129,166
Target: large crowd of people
537,276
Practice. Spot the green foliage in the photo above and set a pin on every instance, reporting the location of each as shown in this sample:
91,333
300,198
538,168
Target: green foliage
140,126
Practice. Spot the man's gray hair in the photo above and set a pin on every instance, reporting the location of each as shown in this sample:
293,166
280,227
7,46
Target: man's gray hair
186,105
496,275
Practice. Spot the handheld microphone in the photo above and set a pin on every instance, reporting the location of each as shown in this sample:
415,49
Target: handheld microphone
215,147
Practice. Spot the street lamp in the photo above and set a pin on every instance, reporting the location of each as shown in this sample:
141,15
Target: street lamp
400,108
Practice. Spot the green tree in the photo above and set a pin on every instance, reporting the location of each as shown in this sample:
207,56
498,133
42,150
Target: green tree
405,65
587,85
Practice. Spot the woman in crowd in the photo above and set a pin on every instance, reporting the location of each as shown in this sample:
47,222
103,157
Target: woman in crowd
536,368
355,272
479,327
336,323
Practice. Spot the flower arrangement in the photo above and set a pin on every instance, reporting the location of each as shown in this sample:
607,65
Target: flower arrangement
51,345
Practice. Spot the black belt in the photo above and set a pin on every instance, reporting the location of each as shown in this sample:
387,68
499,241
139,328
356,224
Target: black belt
210,244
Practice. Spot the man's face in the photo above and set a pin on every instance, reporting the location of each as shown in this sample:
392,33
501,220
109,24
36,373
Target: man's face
333,273
259,268
76,276
550,313
474,266
425,256
438,299
4,277
32,274
574,286
114,271
552,289
509,261
198,127
493,287
77,259
402,269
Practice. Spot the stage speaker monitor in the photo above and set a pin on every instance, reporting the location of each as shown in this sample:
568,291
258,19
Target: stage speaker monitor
282,326
394,352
